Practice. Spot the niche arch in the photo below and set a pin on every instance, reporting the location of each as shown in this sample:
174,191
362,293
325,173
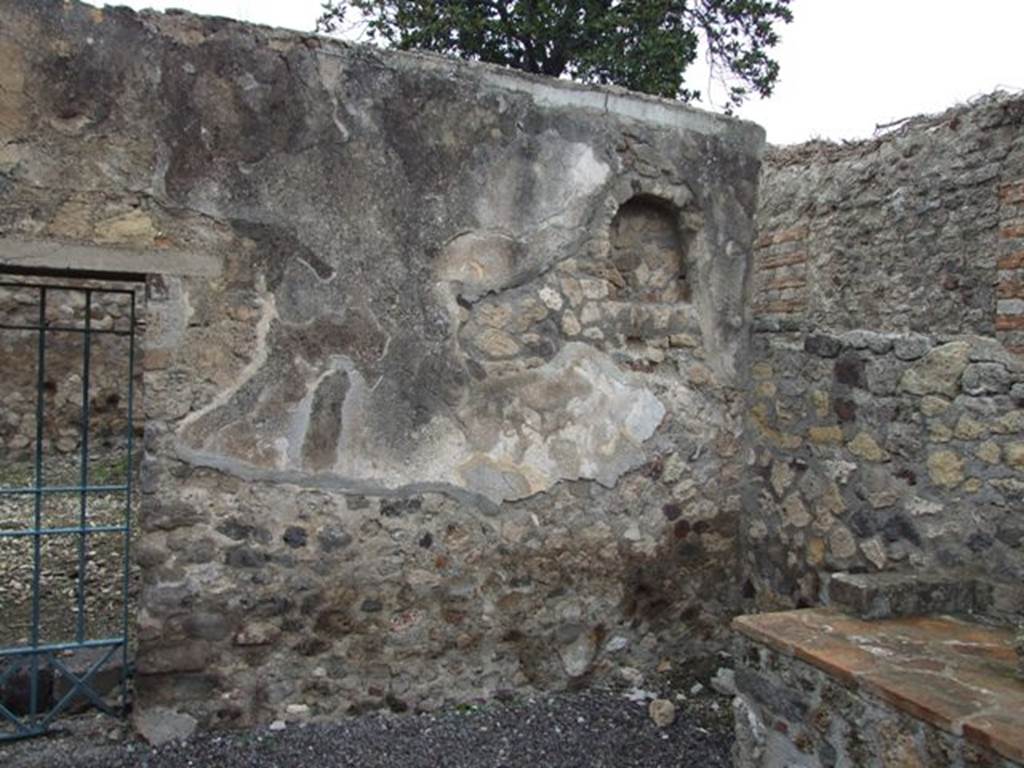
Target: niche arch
649,243
648,247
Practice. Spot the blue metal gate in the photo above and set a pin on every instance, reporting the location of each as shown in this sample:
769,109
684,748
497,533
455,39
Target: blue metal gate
65,501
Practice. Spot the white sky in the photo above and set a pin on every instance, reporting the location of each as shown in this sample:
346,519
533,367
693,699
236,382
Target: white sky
846,65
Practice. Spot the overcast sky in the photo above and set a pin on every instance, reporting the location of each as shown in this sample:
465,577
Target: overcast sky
847,65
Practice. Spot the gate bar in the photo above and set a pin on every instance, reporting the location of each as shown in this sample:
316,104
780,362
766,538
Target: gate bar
65,531
38,521
84,471
63,489
64,329
128,507
67,287
35,653
58,647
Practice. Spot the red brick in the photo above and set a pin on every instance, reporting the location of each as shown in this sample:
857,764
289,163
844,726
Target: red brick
779,283
1009,322
942,701
780,236
774,262
1011,261
1010,289
999,731
1012,194
783,307
1012,231
791,234
950,673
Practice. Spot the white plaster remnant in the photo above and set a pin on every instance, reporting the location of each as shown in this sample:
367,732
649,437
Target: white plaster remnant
552,299
267,314
562,177
166,321
576,417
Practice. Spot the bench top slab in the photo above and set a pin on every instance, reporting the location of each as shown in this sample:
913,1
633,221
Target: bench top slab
953,674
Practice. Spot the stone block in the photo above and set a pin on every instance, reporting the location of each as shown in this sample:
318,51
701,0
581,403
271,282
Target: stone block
938,372
888,595
163,725
985,379
911,347
879,343
168,515
822,345
945,468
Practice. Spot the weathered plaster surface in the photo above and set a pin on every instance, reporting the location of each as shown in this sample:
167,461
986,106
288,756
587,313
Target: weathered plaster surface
575,417
454,411
453,381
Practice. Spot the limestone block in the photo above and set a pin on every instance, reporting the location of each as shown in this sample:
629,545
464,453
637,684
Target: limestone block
938,372
945,468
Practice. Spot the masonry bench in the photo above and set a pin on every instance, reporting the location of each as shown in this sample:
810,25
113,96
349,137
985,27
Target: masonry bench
817,687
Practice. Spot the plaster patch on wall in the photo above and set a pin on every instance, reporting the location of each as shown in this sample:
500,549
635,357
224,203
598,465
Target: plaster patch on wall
167,318
542,183
481,262
268,312
576,417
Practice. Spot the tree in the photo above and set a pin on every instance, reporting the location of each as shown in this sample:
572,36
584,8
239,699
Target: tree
644,45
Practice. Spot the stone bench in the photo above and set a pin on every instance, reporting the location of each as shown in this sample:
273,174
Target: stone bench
820,688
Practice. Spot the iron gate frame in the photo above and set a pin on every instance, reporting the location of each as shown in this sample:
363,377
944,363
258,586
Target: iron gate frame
37,656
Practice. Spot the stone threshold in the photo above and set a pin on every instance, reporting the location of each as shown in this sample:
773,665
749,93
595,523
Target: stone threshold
952,674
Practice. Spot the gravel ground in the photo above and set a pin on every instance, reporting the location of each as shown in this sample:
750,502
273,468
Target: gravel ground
59,555
593,729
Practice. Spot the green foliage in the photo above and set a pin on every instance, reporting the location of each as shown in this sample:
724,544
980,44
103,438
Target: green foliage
110,471
644,45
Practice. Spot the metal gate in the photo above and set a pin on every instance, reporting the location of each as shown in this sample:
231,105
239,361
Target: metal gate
65,500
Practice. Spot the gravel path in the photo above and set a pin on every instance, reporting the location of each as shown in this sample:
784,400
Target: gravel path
592,729
59,554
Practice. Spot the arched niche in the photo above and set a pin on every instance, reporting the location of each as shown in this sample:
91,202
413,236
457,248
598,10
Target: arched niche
648,250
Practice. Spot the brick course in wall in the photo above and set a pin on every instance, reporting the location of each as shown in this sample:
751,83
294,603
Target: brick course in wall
780,264
1010,267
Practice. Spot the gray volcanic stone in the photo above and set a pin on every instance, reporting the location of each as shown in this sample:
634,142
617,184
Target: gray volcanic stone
911,347
823,346
162,725
879,343
986,379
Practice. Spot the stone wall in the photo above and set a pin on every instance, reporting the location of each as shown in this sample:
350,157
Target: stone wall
884,405
63,373
456,411
457,381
